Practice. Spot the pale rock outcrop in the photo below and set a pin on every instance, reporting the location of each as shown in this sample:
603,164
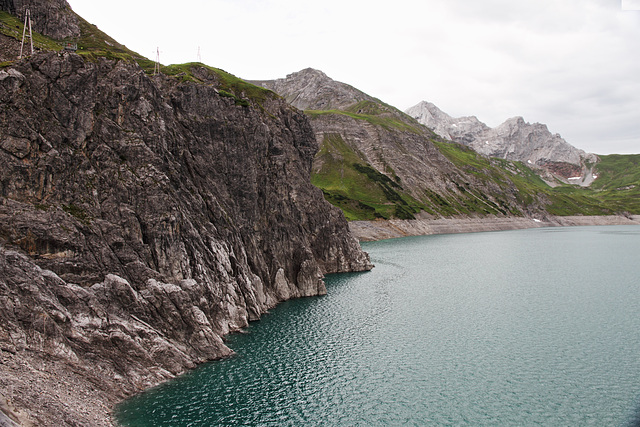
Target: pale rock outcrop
514,139
311,89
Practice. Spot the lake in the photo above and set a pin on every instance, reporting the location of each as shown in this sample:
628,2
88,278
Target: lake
526,327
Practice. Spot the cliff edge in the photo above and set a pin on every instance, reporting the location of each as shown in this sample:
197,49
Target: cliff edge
142,218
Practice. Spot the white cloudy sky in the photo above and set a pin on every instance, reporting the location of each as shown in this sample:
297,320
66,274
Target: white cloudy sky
572,64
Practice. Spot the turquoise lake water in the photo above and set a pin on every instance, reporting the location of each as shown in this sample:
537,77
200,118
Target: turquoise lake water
527,327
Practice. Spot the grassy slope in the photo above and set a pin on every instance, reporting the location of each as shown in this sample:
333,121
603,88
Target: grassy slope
358,189
364,194
618,182
616,191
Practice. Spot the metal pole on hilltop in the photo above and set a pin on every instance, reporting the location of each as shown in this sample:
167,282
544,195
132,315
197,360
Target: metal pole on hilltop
27,21
156,68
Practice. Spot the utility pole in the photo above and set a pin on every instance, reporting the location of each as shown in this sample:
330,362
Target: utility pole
27,20
199,57
156,68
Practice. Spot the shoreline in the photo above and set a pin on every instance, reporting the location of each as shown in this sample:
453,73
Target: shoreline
93,395
367,231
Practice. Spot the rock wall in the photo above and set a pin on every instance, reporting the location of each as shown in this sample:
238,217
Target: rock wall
143,218
52,18
514,139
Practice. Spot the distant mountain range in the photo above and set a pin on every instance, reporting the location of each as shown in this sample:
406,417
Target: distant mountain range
375,161
514,139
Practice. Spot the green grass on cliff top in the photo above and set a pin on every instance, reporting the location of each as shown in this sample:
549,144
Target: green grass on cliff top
227,84
94,43
11,26
616,191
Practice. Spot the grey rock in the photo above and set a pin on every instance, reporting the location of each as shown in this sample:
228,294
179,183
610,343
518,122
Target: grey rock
19,147
514,139
311,89
53,18
462,129
143,218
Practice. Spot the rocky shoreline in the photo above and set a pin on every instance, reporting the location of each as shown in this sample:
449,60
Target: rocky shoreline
142,219
390,229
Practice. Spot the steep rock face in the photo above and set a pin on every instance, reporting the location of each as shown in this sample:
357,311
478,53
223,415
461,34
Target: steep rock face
142,218
463,129
9,48
515,139
52,18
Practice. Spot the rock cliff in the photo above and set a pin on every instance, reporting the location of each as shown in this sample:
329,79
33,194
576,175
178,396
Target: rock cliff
142,218
52,18
515,139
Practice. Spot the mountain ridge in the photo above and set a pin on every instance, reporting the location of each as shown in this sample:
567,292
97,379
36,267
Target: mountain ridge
514,139
375,158
312,89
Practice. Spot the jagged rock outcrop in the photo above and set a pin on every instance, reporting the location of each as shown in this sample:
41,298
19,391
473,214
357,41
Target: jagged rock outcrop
514,139
142,218
53,18
462,129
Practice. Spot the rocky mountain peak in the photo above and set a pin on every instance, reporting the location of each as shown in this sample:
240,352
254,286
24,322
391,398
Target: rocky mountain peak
515,139
308,73
461,129
311,89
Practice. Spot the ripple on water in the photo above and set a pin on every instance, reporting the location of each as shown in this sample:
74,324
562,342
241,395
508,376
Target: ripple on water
532,327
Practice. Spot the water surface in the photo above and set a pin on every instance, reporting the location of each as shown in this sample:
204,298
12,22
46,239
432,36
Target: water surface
528,327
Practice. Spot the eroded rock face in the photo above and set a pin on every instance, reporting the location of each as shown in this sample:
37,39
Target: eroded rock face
142,218
514,139
52,18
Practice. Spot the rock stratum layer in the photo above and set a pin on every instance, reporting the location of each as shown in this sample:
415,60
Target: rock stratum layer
142,218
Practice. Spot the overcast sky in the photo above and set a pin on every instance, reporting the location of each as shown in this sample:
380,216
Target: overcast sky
572,64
